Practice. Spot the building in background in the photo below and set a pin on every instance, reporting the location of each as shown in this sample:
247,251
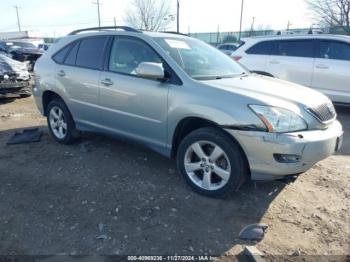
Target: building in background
23,36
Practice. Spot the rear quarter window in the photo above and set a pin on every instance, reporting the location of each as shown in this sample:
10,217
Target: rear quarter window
60,56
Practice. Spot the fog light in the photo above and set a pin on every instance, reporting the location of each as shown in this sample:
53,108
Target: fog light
283,158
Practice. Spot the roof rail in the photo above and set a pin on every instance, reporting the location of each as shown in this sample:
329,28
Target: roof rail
103,28
175,33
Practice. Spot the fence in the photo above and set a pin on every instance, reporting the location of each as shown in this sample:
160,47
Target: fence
216,38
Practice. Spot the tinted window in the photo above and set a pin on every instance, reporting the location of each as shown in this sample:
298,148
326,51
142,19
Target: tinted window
72,56
298,48
231,48
91,52
127,53
61,55
263,48
334,50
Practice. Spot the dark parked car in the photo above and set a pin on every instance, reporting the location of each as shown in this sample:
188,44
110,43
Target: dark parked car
9,84
21,51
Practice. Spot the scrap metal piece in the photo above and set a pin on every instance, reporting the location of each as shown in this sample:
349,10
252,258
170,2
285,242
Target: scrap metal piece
254,232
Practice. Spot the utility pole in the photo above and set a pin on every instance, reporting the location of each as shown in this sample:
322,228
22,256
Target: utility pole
115,22
240,24
288,25
252,27
178,16
18,23
98,12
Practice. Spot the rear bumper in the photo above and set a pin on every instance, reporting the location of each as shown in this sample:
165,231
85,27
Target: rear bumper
308,147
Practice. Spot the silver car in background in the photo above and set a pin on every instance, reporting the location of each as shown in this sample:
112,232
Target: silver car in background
185,100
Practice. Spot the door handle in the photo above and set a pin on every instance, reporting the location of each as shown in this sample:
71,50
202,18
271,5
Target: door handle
107,82
321,66
61,73
274,62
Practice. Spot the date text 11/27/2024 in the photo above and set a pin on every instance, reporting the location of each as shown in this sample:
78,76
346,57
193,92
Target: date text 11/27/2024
171,258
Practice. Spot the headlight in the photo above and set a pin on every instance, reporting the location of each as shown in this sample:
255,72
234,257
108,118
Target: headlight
279,120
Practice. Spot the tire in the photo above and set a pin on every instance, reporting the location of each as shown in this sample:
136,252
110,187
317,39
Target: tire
57,110
198,170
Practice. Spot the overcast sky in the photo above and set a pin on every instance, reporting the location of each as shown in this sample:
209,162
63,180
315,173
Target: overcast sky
58,17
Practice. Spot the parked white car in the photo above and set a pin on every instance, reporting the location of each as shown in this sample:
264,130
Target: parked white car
321,62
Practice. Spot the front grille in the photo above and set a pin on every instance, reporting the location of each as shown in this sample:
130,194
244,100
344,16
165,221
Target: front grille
324,112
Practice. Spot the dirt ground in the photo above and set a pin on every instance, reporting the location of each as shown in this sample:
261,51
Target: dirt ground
103,196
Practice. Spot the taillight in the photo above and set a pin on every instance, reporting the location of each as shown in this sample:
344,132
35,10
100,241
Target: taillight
236,58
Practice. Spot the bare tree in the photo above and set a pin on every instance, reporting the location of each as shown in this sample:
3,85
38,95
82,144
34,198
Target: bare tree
332,12
149,15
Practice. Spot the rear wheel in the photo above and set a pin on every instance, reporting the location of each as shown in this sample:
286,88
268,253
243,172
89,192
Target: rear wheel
60,122
211,162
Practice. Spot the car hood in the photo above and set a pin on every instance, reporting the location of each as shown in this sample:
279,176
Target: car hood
270,91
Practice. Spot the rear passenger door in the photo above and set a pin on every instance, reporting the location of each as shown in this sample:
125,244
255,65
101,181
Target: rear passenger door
78,76
293,60
332,70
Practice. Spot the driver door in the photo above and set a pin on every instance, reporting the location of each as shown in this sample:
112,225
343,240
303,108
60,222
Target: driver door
133,106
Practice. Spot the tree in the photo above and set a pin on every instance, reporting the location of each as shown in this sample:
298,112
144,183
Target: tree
332,13
149,15
230,39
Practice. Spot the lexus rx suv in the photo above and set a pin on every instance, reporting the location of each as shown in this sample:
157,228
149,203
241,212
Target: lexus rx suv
321,62
185,100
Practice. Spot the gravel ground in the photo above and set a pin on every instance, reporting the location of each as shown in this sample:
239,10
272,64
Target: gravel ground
103,196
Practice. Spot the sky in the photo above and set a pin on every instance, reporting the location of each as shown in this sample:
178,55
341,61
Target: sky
52,18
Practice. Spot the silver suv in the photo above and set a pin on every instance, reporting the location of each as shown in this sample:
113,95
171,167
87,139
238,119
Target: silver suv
185,100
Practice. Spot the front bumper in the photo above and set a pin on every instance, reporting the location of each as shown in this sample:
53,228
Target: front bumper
14,87
310,147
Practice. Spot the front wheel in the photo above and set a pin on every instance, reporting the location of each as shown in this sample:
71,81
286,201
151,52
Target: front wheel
211,162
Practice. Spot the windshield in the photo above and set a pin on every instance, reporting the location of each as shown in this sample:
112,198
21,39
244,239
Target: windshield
199,60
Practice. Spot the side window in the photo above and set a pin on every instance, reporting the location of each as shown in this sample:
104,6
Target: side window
91,52
262,48
61,55
72,56
334,50
127,53
297,48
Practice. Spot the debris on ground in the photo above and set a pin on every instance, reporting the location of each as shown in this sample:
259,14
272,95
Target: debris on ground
253,253
30,135
254,232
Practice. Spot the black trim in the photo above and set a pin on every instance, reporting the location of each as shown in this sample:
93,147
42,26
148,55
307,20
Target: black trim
244,128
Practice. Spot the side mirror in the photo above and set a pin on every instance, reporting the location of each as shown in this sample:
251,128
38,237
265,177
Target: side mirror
150,70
